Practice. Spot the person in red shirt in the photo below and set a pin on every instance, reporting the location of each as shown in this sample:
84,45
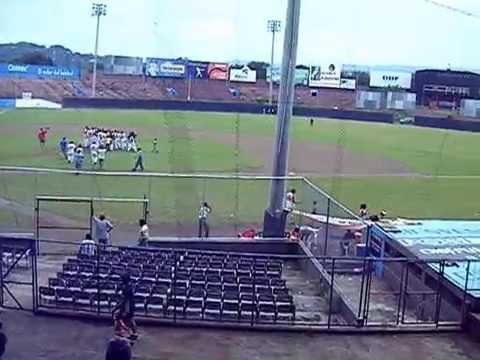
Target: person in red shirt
42,136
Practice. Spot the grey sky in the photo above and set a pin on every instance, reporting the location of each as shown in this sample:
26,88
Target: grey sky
407,32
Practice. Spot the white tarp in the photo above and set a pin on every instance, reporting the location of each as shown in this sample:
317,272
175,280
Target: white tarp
36,103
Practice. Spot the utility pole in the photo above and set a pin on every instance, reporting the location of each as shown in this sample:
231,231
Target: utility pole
98,10
273,26
274,220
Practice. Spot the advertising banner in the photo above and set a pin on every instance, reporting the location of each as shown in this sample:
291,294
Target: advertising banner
218,71
123,65
243,74
349,84
39,72
327,75
390,79
165,68
198,70
301,76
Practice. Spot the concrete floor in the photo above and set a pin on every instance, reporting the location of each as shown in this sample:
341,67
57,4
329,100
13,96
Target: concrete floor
41,337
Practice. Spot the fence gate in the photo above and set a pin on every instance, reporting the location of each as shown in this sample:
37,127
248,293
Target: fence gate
18,271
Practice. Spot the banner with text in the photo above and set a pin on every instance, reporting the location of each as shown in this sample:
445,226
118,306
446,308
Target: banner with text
390,79
165,68
349,84
39,72
327,75
218,71
123,65
243,74
198,70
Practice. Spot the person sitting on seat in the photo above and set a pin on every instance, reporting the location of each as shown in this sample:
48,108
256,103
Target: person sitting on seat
88,246
346,242
363,212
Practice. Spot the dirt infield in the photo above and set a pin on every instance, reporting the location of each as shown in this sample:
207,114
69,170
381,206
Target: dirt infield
307,158
47,338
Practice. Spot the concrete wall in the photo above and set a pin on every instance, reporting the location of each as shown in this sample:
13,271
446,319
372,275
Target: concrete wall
447,123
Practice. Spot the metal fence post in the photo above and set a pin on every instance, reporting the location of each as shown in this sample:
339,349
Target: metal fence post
400,294
332,279
327,224
465,291
405,292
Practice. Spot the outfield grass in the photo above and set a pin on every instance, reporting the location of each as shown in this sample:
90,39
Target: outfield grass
425,151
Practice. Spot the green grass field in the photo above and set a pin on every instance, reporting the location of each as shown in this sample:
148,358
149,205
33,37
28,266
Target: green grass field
443,164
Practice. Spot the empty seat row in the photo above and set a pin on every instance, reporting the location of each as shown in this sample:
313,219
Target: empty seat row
181,306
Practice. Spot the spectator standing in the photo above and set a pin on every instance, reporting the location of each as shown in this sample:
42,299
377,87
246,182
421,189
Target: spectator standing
203,227
144,235
127,306
346,242
289,204
139,160
88,246
103,228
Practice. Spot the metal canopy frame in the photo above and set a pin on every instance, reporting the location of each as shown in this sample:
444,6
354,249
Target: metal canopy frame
83,200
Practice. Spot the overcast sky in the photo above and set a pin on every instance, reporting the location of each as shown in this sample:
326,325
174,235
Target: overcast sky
367,32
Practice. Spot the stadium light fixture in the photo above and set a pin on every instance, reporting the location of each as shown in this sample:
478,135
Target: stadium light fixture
273,26
98,10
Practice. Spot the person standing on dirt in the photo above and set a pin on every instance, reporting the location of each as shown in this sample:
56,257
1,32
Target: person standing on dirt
203,227
103,227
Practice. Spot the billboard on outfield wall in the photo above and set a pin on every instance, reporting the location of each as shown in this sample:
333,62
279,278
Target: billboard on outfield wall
165,68
198,70
301,75
243,74
218,71
349,84
327,75
39,72
123,65
390,79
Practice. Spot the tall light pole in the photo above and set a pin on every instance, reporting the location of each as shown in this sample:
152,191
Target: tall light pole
98,10
273,26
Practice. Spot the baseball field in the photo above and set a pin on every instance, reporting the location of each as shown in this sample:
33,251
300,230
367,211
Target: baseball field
408,171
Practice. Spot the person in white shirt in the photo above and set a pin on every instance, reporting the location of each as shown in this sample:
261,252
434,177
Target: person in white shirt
144,235
70,151
101,155
203,227
289,205
94,157
88,246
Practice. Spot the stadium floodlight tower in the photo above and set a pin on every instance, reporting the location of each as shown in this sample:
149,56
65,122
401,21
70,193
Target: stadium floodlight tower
273,26
98,10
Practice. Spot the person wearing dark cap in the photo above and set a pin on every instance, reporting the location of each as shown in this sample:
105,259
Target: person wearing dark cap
3,341
127,305
118,349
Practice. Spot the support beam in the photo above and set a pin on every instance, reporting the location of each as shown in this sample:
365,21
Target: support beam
274,222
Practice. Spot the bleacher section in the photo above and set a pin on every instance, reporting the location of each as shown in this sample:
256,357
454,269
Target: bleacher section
171,283
139,87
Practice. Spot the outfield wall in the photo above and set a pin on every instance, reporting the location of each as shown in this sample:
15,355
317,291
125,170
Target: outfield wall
222,107
447,123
